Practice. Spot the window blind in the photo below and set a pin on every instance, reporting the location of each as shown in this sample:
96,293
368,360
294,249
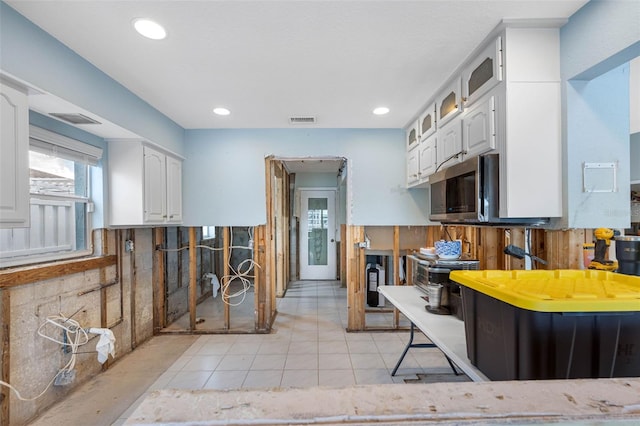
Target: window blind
50,143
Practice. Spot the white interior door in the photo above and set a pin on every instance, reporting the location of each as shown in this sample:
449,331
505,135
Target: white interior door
317,235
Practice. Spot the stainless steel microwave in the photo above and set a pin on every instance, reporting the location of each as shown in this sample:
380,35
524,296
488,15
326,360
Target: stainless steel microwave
469,192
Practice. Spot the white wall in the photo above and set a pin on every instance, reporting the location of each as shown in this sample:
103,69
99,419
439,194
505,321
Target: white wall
224,176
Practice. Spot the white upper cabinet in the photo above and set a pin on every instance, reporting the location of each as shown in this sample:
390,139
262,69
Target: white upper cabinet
449,102
14,156
413,136
479,128
506,99
421,162
421,144
155,186
427,122
145,185
428,157
483,73
413,167
449,147
174,190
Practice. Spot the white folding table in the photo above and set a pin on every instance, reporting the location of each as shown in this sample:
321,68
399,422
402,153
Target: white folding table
445,331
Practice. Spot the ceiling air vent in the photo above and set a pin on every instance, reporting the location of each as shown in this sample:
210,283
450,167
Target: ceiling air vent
302,119
74,118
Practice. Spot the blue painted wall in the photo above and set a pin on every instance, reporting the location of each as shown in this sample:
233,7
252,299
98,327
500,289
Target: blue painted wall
224,174
598,132
596,46
600,36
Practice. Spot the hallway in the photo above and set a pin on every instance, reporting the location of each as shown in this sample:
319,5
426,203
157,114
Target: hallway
307,347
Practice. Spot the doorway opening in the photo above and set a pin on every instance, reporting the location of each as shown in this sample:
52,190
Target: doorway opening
306,210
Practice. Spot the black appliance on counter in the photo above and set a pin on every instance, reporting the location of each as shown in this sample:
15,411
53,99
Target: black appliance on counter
436,271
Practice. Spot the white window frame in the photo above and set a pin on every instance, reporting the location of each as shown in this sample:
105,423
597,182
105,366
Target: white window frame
57,209
208,232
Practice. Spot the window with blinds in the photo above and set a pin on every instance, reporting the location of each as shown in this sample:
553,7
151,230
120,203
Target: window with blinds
60,201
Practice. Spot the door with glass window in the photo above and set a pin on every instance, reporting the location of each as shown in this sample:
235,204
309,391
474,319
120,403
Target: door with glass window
317,235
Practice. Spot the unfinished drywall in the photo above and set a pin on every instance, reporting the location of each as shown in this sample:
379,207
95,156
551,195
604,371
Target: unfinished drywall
176,270
118,297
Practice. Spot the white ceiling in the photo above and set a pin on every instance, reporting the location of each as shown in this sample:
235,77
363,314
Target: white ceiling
269,60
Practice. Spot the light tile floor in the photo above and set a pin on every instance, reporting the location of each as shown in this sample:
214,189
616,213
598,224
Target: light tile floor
308,347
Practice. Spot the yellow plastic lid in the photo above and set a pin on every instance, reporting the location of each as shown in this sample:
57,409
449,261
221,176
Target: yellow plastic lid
562,290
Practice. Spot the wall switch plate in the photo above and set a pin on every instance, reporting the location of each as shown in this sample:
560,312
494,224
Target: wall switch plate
599,177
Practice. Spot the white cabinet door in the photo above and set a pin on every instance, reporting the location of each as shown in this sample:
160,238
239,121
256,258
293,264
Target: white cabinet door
449,102
449,147
412,136
155,182
483,73
428,157
479,128
413,166
174,189
428,122
14,158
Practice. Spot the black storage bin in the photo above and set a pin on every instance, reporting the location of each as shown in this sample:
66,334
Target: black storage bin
506,342
455,301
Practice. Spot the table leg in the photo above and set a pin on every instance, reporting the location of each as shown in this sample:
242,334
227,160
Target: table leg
419,345
411,345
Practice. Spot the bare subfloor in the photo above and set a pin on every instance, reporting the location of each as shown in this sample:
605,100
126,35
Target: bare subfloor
210,312
107,397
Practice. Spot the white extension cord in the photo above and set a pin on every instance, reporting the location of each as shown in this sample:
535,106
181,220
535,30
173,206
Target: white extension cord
75,336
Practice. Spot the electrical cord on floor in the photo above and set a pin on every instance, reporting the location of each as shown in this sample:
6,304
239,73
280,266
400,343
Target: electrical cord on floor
75,336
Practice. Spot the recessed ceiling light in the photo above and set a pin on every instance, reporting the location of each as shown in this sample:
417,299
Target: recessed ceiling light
149,29
381,111
221,111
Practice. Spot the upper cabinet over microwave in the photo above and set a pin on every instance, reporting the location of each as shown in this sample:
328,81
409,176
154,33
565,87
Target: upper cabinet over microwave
494,104
483,73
